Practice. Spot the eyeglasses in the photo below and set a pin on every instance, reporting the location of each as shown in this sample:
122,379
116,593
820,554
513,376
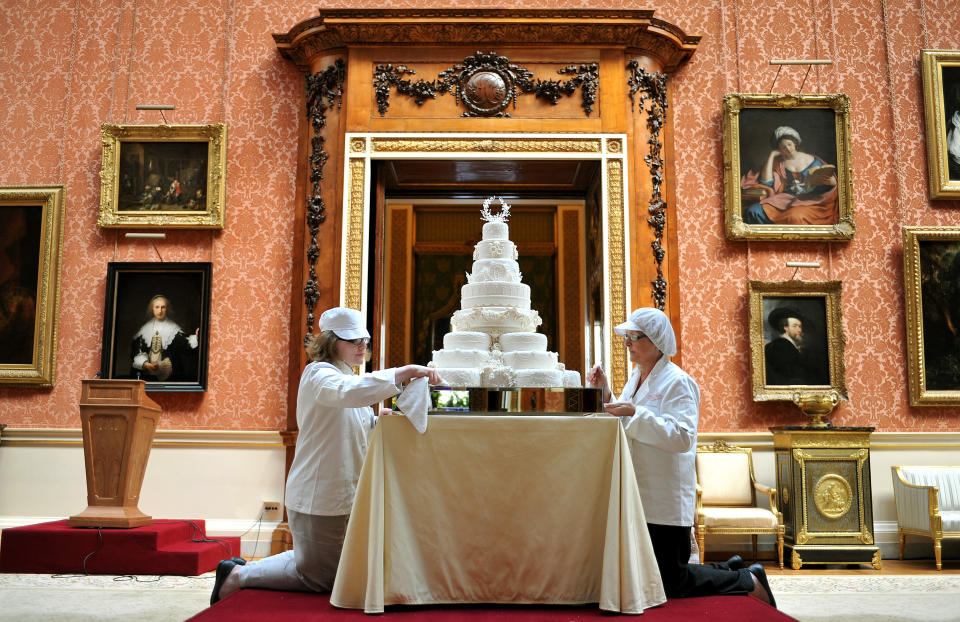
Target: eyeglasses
362,341
634,337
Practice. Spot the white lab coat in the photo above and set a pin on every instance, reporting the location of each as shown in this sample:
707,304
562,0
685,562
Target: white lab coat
335,420
662,435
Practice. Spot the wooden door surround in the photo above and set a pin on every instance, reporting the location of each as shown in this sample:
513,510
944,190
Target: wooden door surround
471,83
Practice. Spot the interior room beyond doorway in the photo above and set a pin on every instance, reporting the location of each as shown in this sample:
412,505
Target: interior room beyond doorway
430,211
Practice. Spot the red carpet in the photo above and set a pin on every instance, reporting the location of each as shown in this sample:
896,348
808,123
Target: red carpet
265,605
167,547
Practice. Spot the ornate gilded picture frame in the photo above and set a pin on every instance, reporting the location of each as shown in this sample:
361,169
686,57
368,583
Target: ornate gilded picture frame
787,167
156,324
162,176
941,107
796,339
31,232
931,272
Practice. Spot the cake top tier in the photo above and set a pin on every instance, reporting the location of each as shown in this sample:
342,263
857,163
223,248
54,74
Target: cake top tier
496,231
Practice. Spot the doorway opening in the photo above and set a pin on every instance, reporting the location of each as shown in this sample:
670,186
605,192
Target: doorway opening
429,212
411,216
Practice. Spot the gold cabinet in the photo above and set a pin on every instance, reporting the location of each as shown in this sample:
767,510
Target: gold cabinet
823,477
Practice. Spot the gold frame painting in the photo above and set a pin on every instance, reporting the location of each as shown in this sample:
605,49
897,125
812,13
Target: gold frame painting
162,176
940,70
31,235
931,273
807,314
763,136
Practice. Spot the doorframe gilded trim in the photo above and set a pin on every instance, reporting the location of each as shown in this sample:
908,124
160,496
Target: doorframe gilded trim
609,149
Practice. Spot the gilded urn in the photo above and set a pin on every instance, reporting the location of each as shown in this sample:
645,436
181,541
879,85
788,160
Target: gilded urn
817,405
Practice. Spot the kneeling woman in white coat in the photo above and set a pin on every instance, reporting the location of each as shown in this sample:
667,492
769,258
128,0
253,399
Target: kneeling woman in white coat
335,419
660,406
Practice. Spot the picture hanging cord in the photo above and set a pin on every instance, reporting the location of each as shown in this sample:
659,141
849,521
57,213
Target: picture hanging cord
148,236
795,61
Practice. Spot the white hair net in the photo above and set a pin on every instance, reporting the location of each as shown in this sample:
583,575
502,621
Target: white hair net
653,323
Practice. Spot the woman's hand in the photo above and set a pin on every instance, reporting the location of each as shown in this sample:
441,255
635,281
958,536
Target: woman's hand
620,409
409,372
597,378
386,412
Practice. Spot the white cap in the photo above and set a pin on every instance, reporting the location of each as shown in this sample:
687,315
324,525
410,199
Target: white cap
345,323
653,323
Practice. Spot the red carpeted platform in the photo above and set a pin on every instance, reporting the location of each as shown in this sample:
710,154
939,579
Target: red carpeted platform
167,547
265,605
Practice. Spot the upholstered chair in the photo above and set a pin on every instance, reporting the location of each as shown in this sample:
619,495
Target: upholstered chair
727,497
928,504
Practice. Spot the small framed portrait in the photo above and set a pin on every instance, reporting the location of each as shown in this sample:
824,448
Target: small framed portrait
156,324
931,271
787,167
796,338
30,237
162,176
941,106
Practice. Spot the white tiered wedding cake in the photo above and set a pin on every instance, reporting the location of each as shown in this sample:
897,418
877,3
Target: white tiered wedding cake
493,341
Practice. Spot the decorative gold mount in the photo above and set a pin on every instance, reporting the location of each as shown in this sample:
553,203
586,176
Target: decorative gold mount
816,405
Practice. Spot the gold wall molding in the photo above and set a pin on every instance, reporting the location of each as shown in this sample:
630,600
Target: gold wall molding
617,273
878,440
270,438
486,145
65,437
354,238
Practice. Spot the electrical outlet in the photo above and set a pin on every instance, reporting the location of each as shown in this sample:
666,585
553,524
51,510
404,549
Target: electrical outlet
272,511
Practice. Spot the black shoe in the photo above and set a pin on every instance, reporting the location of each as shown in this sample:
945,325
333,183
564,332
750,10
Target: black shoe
242,562
761,575
224,568
735,563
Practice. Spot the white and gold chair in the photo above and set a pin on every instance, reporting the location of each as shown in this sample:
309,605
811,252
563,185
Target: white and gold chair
727,497
928,504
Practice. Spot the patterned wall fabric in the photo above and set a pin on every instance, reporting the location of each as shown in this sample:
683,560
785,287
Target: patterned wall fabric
70,66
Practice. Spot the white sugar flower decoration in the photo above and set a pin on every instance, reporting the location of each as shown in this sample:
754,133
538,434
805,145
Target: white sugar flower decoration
499,217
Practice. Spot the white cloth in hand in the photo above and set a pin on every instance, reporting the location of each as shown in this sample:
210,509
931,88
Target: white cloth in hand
414,401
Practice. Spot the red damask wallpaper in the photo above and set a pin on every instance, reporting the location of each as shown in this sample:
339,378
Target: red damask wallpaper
71,65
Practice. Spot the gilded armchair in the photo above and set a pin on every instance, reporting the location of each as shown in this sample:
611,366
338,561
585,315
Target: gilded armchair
928,504
727,497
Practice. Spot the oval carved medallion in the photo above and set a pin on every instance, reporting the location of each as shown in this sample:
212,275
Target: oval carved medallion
832,495
486,93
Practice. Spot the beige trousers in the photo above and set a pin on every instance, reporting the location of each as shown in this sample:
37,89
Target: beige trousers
312,564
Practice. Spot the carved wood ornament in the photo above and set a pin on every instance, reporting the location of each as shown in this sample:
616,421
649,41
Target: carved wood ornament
653,87
324,90
487,84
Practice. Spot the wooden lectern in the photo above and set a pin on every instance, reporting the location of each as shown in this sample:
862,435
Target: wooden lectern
118,425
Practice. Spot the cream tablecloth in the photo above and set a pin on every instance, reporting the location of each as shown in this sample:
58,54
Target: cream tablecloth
498,510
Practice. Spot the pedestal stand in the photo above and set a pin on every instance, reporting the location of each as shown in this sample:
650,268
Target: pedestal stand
823,477
118,424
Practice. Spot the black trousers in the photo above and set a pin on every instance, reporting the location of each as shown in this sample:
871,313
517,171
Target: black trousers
671,546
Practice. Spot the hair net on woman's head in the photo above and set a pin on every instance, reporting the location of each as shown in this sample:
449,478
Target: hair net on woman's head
653,323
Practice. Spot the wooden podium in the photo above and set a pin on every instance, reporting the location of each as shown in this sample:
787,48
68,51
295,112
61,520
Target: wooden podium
118,425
